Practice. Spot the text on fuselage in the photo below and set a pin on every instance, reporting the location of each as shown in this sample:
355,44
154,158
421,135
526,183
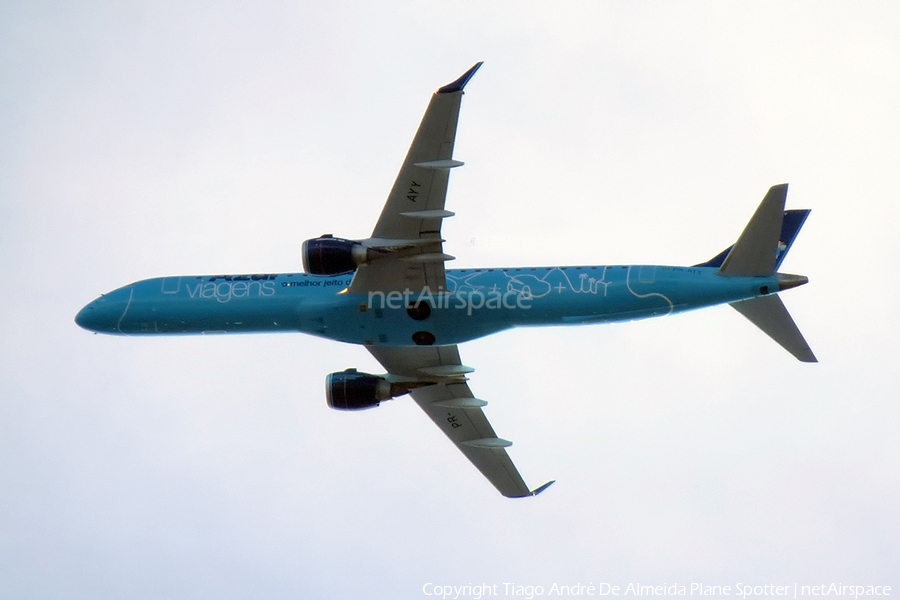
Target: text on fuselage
233,286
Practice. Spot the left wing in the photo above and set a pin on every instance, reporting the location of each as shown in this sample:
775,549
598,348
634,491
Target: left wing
409,228
450,404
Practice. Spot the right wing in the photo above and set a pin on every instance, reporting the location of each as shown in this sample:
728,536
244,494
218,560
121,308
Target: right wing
453,408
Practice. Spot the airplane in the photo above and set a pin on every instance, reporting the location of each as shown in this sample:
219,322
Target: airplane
392,293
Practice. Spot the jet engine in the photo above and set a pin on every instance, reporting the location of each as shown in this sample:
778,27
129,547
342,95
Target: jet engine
352,390
328,255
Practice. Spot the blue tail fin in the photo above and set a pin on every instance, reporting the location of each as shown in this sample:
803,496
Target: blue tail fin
793,221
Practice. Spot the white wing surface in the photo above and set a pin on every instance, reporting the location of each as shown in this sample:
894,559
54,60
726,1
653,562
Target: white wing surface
409,228
450,404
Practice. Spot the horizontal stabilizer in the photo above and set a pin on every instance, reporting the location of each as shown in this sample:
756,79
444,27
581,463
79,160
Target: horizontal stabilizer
755,254
769,314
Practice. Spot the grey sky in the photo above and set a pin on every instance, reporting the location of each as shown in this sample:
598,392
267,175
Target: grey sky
165,138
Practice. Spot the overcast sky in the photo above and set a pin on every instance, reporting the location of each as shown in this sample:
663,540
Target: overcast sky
145,139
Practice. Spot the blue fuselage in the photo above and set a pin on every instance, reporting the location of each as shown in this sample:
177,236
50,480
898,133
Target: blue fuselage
477,302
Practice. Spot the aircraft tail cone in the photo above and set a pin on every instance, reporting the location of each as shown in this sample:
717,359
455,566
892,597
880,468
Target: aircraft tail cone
786,281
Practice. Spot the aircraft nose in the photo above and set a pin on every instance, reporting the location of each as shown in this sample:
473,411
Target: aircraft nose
103,314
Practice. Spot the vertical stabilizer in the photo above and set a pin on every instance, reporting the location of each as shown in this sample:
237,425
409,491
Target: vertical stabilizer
769,314
790,226
755,254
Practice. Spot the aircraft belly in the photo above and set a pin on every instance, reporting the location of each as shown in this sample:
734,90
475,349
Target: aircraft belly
488,301
479,303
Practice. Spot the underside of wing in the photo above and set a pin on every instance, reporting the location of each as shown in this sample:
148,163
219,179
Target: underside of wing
408,232
449,402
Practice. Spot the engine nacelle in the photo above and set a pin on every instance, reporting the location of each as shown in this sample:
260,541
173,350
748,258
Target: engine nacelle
328,255
352,390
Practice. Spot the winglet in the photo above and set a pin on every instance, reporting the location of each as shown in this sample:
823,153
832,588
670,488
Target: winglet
459,84
543,487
